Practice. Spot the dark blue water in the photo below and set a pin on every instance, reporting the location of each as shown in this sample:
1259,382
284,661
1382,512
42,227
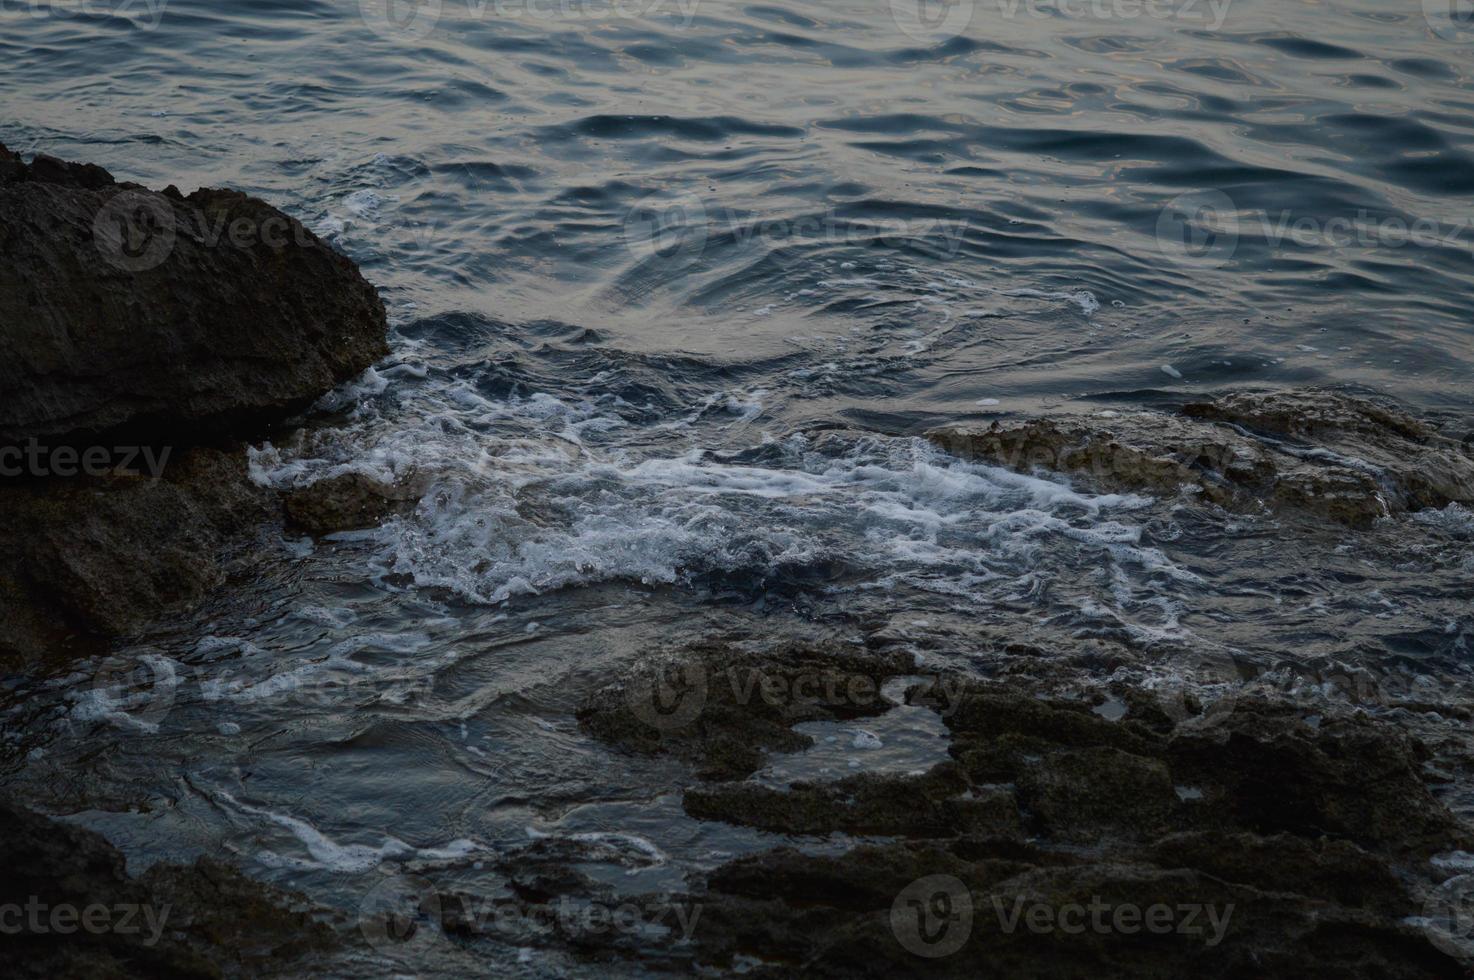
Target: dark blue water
675,285
820,176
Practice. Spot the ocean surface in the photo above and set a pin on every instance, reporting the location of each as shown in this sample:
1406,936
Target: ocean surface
676,285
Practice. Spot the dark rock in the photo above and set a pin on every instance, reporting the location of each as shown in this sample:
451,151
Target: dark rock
346,502
1351,779
1309,843
171,319
968,908
1336,871
1415,464
199,920
985,712
105,556
1315,452
1083,794
171,324
939,803
724,708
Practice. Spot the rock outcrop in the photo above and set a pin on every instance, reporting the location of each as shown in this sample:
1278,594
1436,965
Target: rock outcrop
143,337
724,711
71,910
1320,453
166,317
1265,840
347,502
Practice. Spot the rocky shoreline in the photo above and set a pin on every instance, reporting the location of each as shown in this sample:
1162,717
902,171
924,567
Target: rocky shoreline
1309,837
1310,834
145,338
1083,820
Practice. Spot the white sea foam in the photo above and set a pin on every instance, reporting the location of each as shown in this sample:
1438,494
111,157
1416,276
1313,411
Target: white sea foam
1083,298
534,492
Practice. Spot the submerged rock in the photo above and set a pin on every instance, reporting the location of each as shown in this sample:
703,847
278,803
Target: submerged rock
1317,452
939,803
724,708
165,316
346,502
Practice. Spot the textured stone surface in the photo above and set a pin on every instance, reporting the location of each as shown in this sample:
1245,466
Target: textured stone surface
105,556
181,325
168,317
346,502
197,920
1321,453
1309,840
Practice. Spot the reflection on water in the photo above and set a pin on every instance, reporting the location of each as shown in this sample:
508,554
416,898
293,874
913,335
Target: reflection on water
676,285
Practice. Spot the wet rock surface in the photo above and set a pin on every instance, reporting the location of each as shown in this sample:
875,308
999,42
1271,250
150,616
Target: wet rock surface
165,316
938,803
1065,834
80,913
1255,839
107,555
345,503
1322,453
724,709
143,336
